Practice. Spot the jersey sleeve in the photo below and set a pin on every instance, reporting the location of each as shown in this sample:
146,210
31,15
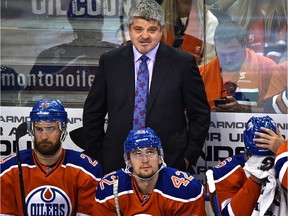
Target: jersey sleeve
281,164
86,194
180,193
9,187
196,206
104,203
89,173
107,208
234,189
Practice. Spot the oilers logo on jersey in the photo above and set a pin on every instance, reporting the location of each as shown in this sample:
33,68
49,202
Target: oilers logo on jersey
48,200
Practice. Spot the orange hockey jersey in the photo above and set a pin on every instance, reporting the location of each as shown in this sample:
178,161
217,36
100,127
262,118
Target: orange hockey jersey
175,193
240,195
234,190
281,165
253,82
193,38
276,99
258,40
67,188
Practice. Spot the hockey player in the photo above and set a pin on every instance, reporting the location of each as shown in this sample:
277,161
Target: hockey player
57,181
147,186
245,183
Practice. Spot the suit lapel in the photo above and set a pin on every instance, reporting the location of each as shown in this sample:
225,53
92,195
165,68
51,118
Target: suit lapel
159,73
127,63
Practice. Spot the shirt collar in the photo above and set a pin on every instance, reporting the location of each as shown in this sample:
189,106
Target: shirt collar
151,55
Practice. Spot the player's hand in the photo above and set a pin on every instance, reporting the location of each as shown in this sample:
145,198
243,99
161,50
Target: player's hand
271,141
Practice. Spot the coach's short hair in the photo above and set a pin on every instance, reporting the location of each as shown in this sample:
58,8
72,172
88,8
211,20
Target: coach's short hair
148,10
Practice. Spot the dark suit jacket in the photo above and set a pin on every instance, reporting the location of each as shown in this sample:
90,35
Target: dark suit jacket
176,86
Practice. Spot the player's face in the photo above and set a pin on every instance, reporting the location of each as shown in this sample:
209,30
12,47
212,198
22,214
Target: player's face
47,137
145,35
231,55
145,161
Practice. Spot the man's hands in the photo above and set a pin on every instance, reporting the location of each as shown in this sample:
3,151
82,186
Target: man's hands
271,141
231,106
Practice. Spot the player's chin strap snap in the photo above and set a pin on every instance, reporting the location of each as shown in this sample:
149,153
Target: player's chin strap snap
115,193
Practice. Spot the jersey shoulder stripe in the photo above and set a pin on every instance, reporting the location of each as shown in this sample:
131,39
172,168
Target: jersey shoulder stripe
228,166
172,184
105,186
11,160
84,162
178,185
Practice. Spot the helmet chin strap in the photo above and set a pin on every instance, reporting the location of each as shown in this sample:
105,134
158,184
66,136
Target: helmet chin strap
163,165
63,135
63,129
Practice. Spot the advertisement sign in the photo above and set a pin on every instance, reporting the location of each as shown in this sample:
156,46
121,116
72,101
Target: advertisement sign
72,8
225,137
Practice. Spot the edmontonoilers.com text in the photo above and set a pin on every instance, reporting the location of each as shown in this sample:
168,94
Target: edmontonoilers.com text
79,79
214,151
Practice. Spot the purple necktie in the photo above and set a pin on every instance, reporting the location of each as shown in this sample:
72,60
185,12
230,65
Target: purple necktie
141,94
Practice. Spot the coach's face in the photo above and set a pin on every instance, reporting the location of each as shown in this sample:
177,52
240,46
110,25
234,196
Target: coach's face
145,35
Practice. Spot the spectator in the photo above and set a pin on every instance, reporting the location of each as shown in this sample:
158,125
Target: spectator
265,23
222,5
71,66
176,94
248,179
237,73
54,178
147,185
184,20
276,99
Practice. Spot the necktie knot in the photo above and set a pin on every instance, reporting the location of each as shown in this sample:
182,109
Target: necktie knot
144,58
